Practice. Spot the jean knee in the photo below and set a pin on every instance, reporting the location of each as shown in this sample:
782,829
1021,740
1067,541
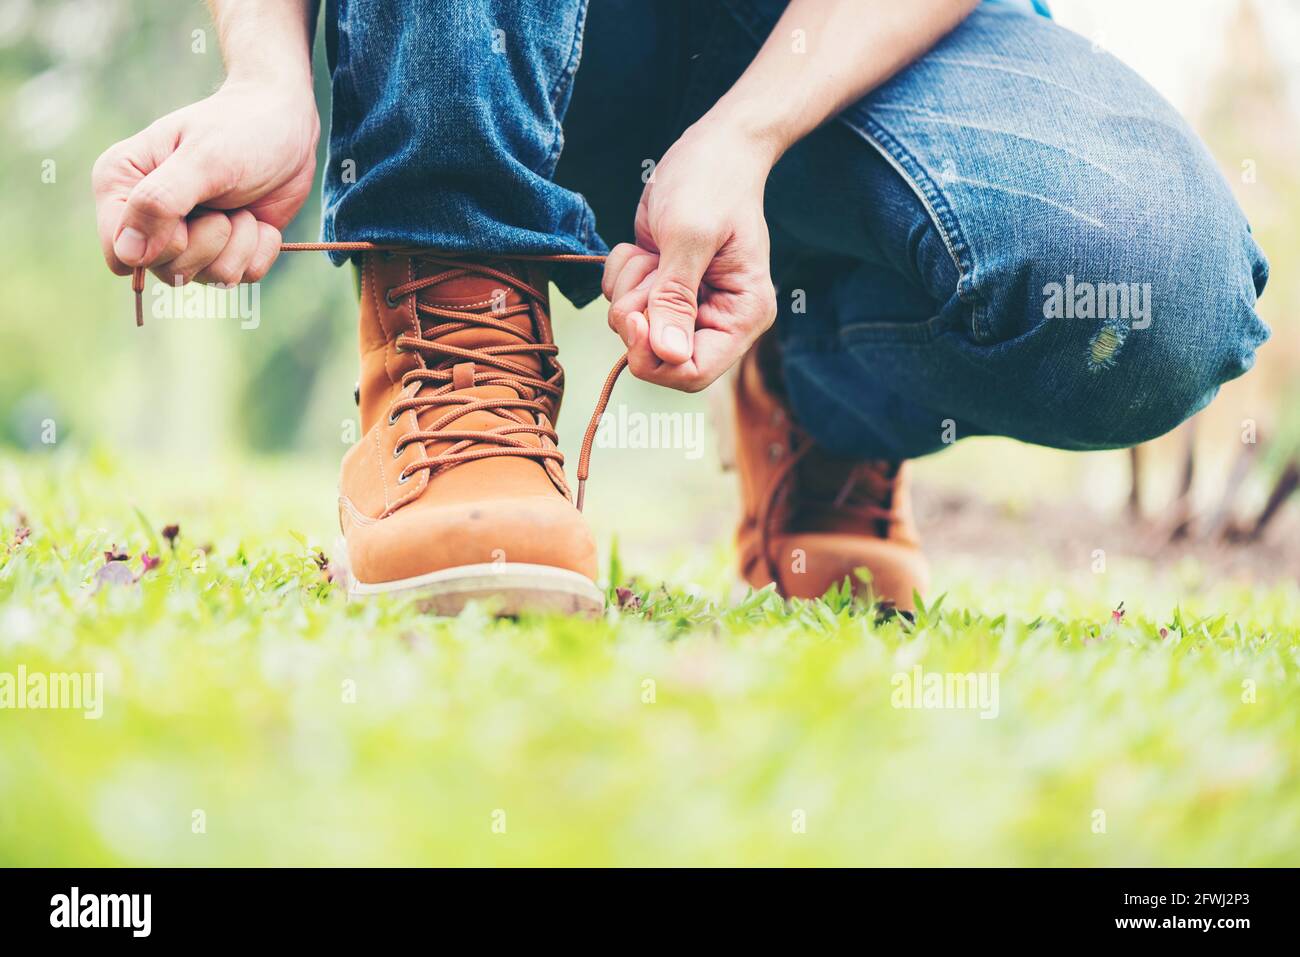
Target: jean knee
1153,319
1151,366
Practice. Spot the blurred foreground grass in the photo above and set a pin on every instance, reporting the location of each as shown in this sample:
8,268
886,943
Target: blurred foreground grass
697,729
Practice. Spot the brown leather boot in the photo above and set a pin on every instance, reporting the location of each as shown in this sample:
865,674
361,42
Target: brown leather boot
457,490
811,519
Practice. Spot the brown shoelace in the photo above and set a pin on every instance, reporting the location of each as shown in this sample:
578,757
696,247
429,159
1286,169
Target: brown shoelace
779,492
532,390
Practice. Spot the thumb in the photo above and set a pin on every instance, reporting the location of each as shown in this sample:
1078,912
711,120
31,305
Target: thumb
673,300
158,203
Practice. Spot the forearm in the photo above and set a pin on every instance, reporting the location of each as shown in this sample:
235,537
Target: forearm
261,41
822,56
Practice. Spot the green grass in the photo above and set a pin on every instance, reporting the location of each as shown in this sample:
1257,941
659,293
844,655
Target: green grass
694,730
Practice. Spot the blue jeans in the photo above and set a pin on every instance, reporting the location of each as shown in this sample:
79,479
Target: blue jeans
1015,236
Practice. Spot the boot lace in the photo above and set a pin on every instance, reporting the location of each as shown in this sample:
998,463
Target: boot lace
866,494
533,393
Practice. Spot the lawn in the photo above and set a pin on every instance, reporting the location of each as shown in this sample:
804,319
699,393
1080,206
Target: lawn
252,716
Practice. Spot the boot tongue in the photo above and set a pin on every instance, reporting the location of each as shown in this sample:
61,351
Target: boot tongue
824,479
482,295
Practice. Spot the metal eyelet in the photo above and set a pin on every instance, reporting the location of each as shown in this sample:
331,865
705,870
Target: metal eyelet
397,451
393,417
402,477
388,298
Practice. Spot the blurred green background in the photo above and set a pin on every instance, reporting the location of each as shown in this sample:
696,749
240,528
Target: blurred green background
224,665
77,75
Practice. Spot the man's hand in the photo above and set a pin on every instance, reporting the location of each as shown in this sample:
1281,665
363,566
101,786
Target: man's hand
203,192
695,292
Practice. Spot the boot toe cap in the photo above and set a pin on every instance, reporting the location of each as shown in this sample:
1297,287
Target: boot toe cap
423,538
811,563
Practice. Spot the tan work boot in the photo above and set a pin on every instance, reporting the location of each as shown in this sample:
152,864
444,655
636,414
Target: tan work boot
456,490
811,519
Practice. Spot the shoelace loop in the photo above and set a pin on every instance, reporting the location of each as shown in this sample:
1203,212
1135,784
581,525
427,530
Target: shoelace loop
504,370
778,491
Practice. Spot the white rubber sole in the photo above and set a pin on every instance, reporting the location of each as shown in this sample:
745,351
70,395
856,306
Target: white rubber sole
506,588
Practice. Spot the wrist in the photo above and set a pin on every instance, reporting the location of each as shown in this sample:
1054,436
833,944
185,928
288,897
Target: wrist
267,44
748,134
760,134
271,73
275,94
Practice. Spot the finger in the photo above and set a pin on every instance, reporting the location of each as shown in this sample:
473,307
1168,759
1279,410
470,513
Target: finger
682,378
268,248
619,311
645,365
180,239
176,245
685,256
618,257
209,232
108,214
641,360
115,174
719,345
158,203
716,351
233,261
635,275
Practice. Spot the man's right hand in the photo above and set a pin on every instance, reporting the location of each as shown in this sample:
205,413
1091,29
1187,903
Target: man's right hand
203,193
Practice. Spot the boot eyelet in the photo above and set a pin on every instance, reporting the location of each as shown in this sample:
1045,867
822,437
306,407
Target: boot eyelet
393,417
775,451
397,451
402,477
388,298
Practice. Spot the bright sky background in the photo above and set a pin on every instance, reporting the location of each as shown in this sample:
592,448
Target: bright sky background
1175,44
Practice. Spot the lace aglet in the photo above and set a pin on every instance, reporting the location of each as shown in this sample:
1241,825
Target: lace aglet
582,493
137,286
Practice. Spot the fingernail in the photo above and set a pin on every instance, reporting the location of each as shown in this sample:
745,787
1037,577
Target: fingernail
674,340
633,328
130,246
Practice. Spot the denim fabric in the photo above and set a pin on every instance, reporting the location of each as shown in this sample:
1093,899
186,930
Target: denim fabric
932,225
924,245
446,125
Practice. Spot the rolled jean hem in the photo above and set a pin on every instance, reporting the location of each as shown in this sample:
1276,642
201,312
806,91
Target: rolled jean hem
578,282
